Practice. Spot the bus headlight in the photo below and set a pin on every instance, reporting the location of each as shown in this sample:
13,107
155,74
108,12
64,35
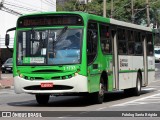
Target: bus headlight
21,75
76,74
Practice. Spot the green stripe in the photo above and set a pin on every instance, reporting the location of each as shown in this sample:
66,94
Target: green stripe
130,71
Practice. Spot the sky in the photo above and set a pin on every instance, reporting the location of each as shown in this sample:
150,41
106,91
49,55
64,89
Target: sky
8,20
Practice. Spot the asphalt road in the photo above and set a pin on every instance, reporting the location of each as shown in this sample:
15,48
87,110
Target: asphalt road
81,106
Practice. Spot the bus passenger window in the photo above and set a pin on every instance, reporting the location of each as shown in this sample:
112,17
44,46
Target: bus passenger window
149,45
106,43
122,42
121,34
130,48
122,48
137,36
130,42
138,43
138,49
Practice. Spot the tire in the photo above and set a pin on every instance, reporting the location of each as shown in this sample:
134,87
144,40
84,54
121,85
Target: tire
98,97
3,71
42,99
137,89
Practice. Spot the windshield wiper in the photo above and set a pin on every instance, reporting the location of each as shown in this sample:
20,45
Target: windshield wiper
59,36
61,33
34,38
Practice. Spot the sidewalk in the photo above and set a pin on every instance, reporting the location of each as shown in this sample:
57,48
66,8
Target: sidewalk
6,82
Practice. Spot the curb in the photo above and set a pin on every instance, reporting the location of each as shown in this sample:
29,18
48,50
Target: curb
4,87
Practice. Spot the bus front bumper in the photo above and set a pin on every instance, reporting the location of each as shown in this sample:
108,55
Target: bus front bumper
76,84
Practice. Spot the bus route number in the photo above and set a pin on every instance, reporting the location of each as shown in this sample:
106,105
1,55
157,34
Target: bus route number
69,68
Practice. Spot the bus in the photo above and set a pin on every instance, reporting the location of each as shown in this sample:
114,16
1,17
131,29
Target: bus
76,53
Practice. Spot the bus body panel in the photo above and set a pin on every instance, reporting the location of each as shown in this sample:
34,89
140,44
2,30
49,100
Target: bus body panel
128,69
79,84
151,76
151,69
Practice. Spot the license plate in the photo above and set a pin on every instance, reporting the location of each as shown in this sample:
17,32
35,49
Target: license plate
8,68
46,85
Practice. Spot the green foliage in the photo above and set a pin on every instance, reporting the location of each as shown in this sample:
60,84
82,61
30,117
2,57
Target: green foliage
122,9
68,6
72,5
95,7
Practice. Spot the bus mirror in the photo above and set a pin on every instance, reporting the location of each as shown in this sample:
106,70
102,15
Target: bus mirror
7,37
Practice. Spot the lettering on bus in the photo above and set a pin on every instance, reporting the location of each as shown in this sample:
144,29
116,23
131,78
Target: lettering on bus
50,20
123,62
70,68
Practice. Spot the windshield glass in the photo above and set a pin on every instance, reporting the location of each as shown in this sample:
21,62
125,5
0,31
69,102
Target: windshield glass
157,51
49,47
9,60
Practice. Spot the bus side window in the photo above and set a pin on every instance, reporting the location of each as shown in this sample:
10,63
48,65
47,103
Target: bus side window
138,43
122,48
92,36
130,42
122,42
149,45
138,49
105,39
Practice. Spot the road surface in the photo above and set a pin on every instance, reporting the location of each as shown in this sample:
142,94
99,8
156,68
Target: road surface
80,106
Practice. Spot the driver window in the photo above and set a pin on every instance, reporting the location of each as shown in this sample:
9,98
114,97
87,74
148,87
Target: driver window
92,41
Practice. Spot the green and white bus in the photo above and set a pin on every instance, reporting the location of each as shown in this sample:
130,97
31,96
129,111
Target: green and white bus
65,53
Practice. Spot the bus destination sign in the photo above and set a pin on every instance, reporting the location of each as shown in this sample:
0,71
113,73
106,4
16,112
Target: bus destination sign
49,20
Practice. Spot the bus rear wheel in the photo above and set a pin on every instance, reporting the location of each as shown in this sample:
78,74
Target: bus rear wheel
137,89
42,99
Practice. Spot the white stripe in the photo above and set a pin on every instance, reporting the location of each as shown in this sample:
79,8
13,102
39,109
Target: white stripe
148,88
101,108
154,86
155,81
131,102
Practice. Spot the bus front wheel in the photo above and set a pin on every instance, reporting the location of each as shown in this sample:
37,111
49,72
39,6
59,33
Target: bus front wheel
98,97
42,99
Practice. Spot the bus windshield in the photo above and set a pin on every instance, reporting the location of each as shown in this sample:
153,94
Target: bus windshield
49,47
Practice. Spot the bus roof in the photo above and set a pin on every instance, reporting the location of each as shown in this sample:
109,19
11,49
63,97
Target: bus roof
129,25
98,18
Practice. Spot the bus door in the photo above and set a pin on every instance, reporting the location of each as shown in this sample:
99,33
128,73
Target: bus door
115,59
145,74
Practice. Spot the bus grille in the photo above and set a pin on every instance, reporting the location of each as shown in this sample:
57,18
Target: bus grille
55,87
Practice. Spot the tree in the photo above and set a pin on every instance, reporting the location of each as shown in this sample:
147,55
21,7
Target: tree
71,5
122,9
95,7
